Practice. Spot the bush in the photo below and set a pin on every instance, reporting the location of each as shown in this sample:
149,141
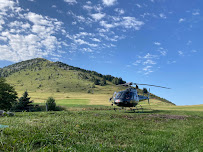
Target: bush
51,104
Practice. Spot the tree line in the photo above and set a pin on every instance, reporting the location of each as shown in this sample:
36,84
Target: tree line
101,80
10,101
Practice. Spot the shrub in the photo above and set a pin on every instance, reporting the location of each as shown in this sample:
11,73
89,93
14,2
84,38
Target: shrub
51,104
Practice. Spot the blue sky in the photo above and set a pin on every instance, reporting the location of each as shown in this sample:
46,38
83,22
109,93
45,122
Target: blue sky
145,41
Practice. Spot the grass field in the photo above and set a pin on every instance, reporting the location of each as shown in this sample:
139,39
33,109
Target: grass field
103,130
85,127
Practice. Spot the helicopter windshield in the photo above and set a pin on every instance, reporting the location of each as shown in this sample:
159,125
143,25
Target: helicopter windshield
119,94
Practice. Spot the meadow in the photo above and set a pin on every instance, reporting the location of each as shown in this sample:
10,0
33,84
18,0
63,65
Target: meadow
85,127
88,122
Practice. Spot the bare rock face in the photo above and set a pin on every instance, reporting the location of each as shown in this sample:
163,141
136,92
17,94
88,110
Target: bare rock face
2,112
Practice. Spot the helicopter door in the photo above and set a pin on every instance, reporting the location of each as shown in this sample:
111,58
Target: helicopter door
136,96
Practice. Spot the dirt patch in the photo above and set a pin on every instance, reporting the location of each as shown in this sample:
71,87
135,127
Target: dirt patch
177,117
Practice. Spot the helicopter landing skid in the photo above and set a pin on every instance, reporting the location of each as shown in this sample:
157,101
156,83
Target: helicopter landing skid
137,109
119,109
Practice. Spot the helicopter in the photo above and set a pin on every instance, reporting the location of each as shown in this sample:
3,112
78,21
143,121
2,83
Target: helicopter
129,97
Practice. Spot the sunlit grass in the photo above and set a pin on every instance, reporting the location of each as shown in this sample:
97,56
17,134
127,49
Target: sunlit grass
103,130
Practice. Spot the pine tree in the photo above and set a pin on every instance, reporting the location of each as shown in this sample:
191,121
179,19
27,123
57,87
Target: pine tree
24,103
8,95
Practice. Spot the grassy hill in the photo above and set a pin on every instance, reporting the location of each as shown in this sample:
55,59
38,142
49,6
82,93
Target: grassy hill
89,125
43,78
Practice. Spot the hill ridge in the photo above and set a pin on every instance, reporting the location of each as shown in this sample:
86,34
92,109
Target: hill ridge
42,75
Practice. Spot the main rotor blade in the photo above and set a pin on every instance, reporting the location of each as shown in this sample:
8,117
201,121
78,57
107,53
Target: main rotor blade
151,85
127,84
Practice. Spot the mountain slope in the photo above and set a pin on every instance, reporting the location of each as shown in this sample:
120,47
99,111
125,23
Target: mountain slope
43,76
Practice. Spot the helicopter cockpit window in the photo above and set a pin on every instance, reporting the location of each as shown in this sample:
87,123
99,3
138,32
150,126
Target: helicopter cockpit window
119,94
128,95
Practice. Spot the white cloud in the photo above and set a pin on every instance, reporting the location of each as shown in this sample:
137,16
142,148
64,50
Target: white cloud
196,12
109,2
138,5
37,19
2,38
147,70
149,62
96,40
181,20
82,42
87,50
30,35
162,15
106,25
79,18
98,16
171,62
157,43
150,56
119,11
136,63
87,7
131,22
89,2
125,22
194,51
71,1
189,42
98,8
163,52
5,4
180,53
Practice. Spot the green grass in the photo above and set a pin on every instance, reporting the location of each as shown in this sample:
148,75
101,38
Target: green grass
103,130
72,102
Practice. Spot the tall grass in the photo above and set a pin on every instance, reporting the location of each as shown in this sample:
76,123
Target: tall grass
103,130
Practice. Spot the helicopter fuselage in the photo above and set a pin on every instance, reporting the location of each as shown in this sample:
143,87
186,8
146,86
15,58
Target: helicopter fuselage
127,98
130,97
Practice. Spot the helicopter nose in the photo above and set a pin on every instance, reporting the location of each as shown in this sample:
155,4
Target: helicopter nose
117,101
